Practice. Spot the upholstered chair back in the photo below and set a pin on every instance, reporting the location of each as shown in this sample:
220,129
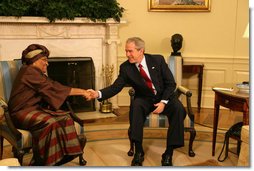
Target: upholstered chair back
8,72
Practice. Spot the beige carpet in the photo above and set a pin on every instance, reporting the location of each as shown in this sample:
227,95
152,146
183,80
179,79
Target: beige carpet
109,148
210,162
114,153
108,144
227,118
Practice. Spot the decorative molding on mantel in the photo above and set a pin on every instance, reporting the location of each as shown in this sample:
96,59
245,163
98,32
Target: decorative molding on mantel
44,20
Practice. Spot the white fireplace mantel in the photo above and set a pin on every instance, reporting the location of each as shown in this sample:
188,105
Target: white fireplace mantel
78,20
80,37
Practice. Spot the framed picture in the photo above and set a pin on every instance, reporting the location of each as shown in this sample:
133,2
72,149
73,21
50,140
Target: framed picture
179,5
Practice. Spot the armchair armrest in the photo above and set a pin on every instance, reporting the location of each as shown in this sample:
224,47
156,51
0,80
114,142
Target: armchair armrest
72,114
184,91
10,126
188,94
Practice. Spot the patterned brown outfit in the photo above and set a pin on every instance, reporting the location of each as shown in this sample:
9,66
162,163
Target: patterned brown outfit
34,105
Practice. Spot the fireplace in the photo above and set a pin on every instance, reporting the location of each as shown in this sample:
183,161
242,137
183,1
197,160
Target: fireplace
80,37
74,72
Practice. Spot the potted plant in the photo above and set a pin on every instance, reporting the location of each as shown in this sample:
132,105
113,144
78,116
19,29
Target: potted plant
107,75
63,9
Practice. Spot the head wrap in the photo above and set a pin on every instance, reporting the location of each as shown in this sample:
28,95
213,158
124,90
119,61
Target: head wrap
34,52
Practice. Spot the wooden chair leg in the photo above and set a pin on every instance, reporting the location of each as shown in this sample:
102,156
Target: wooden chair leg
82,140
19,154
192,137
131,151
82,161
238,146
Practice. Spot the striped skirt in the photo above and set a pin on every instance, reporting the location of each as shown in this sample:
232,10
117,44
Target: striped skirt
54,136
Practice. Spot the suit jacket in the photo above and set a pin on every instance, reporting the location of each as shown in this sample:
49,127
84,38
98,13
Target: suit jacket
161,77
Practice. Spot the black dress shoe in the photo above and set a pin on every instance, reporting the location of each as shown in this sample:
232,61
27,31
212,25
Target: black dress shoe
166,160
138,159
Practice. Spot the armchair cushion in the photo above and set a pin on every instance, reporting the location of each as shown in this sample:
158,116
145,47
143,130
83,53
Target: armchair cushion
9,162
155,121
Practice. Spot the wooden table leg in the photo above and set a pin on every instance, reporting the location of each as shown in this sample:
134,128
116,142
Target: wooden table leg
200,82
215,125
246,113
196,69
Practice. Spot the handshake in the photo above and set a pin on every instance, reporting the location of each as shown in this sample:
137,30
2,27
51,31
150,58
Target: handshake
91,94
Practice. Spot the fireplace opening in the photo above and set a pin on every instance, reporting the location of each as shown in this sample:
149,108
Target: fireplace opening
76,72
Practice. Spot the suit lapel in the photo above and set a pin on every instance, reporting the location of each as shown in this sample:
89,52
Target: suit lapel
152,69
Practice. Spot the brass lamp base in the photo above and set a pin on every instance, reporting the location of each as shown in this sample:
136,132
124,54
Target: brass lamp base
106,107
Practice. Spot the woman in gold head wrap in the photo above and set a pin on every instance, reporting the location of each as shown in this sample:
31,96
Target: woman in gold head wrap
34,105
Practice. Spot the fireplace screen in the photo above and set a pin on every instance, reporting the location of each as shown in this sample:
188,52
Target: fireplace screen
75,72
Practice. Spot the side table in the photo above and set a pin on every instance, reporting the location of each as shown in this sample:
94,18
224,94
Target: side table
195,68
231,99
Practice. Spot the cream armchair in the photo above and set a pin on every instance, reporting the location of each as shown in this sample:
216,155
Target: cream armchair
21,140
160,121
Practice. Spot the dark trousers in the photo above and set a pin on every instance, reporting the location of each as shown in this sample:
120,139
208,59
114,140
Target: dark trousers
141,107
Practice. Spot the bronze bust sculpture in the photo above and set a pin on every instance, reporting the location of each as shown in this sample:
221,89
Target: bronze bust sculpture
176,44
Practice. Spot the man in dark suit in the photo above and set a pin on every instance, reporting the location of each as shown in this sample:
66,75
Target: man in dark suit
159,97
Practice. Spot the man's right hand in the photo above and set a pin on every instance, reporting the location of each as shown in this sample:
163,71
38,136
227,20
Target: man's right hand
93,94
